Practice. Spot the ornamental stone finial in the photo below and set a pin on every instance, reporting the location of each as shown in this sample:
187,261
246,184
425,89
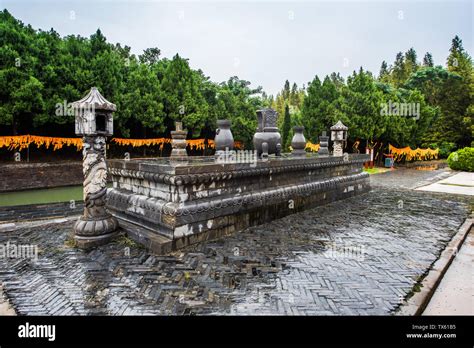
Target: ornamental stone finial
178,141
323,144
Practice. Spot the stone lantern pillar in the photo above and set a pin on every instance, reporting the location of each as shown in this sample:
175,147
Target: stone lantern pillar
338,136
93,118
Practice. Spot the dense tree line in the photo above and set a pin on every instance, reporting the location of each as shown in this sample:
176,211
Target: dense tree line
442,98
39,70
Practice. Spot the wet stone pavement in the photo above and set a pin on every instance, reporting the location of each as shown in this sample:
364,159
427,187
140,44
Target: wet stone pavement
360,256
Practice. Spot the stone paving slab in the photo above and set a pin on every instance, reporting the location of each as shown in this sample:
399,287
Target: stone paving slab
403,178
461,183
361,256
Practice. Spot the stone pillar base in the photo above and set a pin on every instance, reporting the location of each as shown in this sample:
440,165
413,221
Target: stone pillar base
85,242
323,151
92,232
298,153
179,153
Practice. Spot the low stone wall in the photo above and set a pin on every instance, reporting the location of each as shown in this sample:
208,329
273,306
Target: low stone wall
25,176
170,204
433,164
39,211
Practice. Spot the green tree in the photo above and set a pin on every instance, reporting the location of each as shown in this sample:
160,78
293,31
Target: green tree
321,107
294,99
286,90
286,129
141,103
411,64
239,102
398,71
428,60
150,56
384,74
183,100
361,107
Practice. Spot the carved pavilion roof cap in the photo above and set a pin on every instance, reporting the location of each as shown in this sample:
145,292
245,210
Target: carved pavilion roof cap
96,100
339,126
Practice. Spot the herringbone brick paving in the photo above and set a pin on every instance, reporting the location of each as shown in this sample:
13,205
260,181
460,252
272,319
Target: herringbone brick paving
360,256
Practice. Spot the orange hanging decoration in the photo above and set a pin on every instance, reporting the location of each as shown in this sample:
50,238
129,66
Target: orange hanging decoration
312,147
407,154
23,141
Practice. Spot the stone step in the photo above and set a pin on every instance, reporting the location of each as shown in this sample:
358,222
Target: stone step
152,241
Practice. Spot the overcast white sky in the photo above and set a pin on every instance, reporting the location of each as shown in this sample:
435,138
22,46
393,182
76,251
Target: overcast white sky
264,41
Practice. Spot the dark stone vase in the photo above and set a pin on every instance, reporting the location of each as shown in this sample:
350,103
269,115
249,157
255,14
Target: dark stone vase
298,143
224,139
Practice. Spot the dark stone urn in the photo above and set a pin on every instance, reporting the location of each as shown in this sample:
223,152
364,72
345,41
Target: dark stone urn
224,139
267,139
298,143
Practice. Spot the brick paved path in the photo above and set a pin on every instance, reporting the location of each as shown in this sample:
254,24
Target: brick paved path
360,256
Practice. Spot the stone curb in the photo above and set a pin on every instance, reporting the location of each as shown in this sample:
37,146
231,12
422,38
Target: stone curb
418,302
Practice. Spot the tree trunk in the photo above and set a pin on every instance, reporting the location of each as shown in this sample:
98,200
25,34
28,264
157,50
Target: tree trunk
144,137
14,126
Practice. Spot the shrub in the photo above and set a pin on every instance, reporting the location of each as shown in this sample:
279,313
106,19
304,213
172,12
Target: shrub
462,159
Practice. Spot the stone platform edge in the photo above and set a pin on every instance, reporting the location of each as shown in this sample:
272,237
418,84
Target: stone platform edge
416,304
184,174
243,218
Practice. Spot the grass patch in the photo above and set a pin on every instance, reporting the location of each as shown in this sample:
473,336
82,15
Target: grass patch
416,288
70,242
125,241
376,170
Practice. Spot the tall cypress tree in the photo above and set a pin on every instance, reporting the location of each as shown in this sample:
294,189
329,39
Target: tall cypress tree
286,128
410,62
286,90
384,73
294,96
398,71
428,60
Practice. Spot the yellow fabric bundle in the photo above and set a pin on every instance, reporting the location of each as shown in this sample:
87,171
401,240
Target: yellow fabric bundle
23,141
312,147
141,142
408,154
